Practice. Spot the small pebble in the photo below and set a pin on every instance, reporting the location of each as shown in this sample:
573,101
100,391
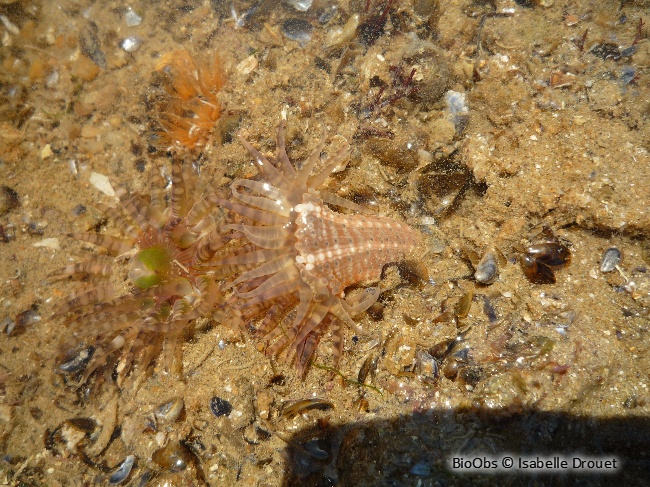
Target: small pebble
132,18
629,51
457,109
628,74
52,79
131,44
36,228
611,259
421,469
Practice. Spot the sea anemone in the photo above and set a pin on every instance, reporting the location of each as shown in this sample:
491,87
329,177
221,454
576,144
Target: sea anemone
189,107
297,257
141,298
285,258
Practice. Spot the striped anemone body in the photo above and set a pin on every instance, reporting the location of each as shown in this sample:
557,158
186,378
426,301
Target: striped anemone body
289,286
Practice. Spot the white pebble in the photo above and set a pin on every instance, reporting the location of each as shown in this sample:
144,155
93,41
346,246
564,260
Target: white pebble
131,44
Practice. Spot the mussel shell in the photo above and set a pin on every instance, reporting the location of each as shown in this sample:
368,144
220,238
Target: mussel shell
123,471
220,407
552,254
536,272
294,408
173,457
318,449
297,30
464,304
451,367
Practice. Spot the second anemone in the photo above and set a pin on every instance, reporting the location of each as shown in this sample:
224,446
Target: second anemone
137,298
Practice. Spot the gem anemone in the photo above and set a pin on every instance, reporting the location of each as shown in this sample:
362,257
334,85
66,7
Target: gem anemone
188,107
270,258
160,255
305,255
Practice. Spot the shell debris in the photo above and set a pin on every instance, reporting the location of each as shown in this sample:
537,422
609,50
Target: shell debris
102,183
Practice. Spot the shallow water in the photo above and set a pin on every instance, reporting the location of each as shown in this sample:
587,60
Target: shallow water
556,136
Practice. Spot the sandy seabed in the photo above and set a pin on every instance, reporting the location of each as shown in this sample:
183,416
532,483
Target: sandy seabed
556,136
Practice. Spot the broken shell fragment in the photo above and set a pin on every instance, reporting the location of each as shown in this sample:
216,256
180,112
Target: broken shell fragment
336,37
169,411
487,269
426,366
292,409
611,259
